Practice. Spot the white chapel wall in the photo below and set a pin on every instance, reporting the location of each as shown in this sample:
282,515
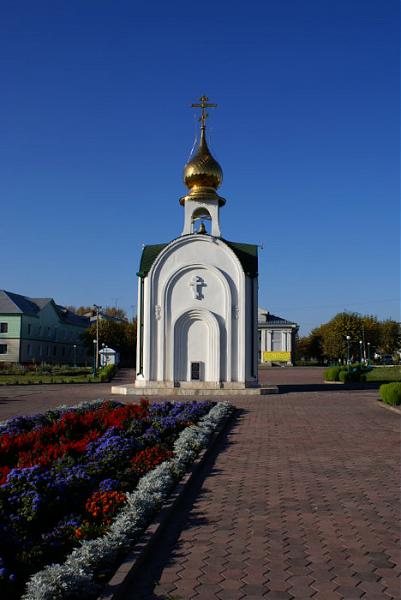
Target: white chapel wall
222,292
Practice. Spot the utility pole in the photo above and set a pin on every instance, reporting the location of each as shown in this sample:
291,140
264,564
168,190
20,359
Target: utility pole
97,309
363,343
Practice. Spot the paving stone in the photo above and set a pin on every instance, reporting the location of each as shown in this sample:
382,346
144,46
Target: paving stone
296,503
279,596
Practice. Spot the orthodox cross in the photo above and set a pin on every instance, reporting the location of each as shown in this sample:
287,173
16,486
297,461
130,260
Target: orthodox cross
203,105
197,283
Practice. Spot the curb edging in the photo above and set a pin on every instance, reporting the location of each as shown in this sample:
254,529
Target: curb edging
118,583
389,407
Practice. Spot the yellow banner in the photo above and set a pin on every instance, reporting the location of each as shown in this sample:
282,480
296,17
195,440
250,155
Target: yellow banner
277,356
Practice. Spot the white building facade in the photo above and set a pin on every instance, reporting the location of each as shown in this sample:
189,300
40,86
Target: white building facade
198,295
277,338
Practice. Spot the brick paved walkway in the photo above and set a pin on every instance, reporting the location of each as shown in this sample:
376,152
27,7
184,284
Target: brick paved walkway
301,502
32,399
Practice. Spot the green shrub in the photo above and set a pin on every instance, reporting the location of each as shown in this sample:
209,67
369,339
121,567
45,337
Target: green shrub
391,393
107,373
332,374
354,375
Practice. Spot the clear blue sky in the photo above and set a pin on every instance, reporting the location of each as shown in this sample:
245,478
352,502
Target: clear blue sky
96,125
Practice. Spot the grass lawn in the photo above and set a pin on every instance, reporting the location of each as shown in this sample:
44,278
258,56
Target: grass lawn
384,374
32,378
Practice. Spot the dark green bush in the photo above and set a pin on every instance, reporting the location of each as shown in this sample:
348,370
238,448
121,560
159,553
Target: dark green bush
345,377
332,374
107,373
391,393
354,375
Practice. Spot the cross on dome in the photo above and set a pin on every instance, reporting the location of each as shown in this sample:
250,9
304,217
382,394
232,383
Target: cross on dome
204,103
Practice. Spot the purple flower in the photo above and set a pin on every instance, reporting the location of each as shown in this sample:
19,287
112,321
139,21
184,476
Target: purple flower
108,485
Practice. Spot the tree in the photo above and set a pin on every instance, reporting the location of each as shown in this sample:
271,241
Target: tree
335,332
119,336
310,347
359,328
81,310
389,336
113,311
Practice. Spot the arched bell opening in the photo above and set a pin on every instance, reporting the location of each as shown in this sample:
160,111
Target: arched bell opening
201,221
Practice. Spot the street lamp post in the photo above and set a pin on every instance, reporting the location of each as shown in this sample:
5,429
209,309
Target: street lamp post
97,309
94,357
75,355
368,353
348,338
361,350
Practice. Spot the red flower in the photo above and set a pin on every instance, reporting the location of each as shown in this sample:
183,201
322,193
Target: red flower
101,506
148,459
4,471
69,434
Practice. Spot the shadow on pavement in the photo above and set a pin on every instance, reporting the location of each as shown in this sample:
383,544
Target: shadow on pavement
143,585
327,387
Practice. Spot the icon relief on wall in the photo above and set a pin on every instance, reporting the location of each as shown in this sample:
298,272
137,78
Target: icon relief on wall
158,312
197,284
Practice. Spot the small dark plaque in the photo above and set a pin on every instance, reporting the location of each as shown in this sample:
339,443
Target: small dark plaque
195,371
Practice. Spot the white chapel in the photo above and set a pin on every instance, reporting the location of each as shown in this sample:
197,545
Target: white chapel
198,295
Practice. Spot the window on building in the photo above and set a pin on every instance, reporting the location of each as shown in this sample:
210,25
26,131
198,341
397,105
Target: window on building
40,330
29,349
40,350
49,329
29,329
276,341
3,327
48,350
3,348
54,350
63,351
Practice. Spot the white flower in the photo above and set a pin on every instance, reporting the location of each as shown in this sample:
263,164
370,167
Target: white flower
75,577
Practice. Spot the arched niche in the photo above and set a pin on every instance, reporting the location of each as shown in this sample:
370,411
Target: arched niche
190,348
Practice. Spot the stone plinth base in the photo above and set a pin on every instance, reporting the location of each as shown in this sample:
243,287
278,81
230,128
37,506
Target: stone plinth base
132,390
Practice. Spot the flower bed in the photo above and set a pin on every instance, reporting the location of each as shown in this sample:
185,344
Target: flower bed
78,486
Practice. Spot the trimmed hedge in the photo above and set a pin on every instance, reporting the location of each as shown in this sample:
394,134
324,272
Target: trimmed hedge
356,374
107,373
332,374
352,376
391,393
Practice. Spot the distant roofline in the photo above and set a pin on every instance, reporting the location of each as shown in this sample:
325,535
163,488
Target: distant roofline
25,305
274,320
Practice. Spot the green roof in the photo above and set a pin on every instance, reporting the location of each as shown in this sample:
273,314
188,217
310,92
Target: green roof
149,255
247,254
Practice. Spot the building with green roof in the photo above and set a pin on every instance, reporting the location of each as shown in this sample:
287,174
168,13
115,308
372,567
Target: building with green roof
198,296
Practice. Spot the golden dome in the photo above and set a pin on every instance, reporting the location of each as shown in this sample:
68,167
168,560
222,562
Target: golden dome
203,174
203,170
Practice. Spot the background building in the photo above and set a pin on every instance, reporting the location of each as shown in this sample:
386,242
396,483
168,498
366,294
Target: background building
276,338
39,330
